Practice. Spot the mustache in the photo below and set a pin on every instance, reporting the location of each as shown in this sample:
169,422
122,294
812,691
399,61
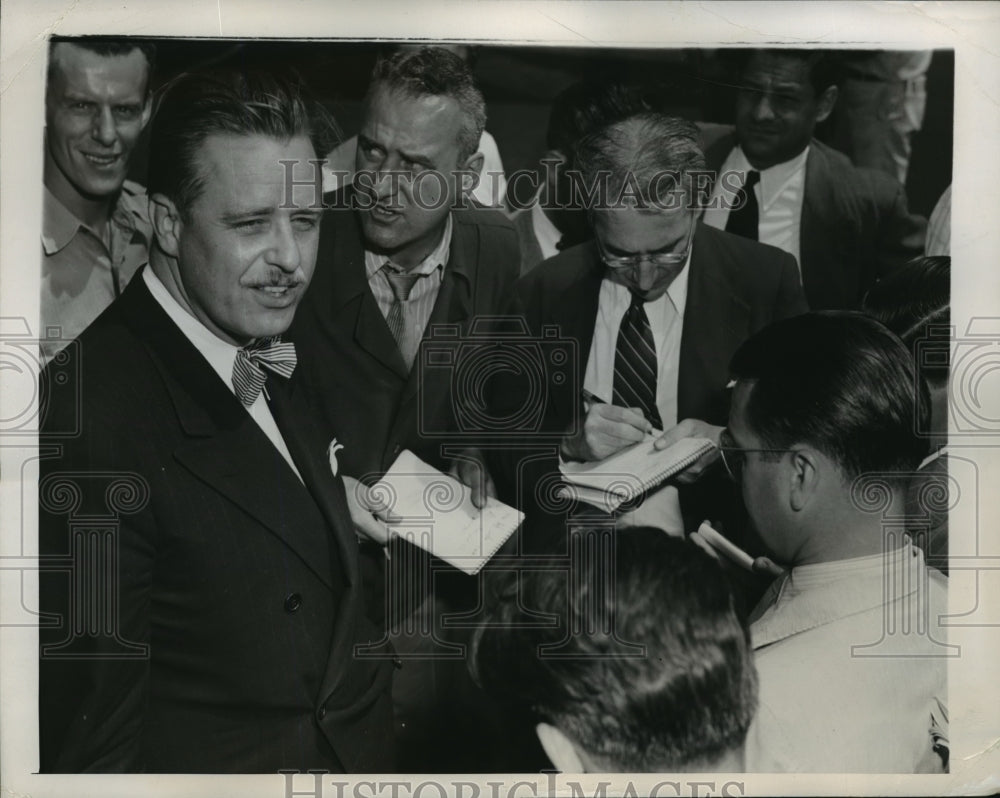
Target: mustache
279,281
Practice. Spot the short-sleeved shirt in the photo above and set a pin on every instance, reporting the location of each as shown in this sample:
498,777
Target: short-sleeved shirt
80,275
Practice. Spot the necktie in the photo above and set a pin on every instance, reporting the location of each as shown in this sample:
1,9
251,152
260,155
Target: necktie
402,284
635,363
252,359
743,220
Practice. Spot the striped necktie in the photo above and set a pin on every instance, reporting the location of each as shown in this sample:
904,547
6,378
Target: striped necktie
744,220
635,363
252,359
401,284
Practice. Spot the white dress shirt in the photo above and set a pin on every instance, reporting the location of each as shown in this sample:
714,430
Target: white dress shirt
546,233
779,199
221,355
660,508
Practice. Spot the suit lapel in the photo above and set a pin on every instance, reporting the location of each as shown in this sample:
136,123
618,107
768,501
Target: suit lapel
225,447
292,414
354,307
716,320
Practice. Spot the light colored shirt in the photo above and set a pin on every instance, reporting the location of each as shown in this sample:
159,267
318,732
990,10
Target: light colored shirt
221,355
418,307
490,191
779,193
659,508
851,658
81,274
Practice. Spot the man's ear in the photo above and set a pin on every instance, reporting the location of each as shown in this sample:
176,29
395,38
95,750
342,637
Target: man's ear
559,749
167,223
827,100
147,109
804,477
471,169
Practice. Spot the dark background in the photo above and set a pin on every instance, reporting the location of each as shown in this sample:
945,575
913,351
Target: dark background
519,83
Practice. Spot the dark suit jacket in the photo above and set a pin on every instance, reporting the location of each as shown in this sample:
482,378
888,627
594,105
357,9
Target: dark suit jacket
237,597
855,225
531,250
352,361
735,288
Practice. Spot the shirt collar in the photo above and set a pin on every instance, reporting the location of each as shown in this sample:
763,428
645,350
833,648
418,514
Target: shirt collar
60,225
774,179
809,596
547,234
438,258
221,355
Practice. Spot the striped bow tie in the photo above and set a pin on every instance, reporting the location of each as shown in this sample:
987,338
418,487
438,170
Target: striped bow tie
252,359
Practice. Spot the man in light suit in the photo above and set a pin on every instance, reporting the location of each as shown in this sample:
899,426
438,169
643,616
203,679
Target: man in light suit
655,279
226,538
401,262
845,226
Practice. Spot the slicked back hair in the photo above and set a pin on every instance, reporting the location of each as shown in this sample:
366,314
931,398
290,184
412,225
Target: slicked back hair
650,665
197,105
435,72
838,381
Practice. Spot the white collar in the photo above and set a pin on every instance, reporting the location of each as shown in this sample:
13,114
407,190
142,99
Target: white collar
774,179
221,355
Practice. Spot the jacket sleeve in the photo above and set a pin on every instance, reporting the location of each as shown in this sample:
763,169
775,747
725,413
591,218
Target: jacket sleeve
901,234
790,300
96,552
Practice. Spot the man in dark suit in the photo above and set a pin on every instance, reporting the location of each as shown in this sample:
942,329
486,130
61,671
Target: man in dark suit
845,226
407,267
655,306
223,536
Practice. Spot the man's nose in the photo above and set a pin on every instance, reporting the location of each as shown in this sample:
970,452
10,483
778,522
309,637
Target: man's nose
284,251
646,275
105,131
764,108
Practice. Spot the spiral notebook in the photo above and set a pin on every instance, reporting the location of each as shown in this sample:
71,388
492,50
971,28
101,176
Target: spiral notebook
437,514
617,479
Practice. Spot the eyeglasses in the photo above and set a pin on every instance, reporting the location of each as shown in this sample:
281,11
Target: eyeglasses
660,260
734,457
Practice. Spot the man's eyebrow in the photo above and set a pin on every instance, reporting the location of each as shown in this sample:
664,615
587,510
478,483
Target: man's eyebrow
615,251
243,214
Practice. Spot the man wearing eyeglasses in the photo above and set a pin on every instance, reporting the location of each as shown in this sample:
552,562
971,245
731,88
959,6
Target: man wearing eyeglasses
656,305
849,648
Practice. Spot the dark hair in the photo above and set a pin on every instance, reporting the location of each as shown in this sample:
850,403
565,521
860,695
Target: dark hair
644,147
108,47
227,101
825,66
588,106
434,71
914,301
841,382
645,663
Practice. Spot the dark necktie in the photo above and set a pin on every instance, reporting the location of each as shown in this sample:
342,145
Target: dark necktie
402,284
635,363
743,219
252,359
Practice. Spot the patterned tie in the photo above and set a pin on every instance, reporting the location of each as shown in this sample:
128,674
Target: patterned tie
743,220
252,359
402,284
635,363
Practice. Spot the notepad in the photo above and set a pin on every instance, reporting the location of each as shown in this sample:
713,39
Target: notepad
624,476
436,513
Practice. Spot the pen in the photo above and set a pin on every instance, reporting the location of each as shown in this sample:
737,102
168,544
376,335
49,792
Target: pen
589,398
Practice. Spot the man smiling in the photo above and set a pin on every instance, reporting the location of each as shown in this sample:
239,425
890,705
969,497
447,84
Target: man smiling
95,229
233,560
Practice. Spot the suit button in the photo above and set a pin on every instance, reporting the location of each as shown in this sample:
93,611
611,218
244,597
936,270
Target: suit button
322,712
397,663
396,450
292,602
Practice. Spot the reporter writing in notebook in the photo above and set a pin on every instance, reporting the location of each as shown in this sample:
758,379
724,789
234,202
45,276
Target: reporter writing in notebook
656,305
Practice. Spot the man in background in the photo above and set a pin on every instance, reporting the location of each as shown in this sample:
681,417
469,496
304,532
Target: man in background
845,226
95,223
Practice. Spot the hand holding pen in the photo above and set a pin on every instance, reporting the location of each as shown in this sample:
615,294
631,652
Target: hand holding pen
603,430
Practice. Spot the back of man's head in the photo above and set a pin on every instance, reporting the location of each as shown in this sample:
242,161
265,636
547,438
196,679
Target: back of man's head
840,382
225,101
647,666
437,72
586,107
649,153
914,301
